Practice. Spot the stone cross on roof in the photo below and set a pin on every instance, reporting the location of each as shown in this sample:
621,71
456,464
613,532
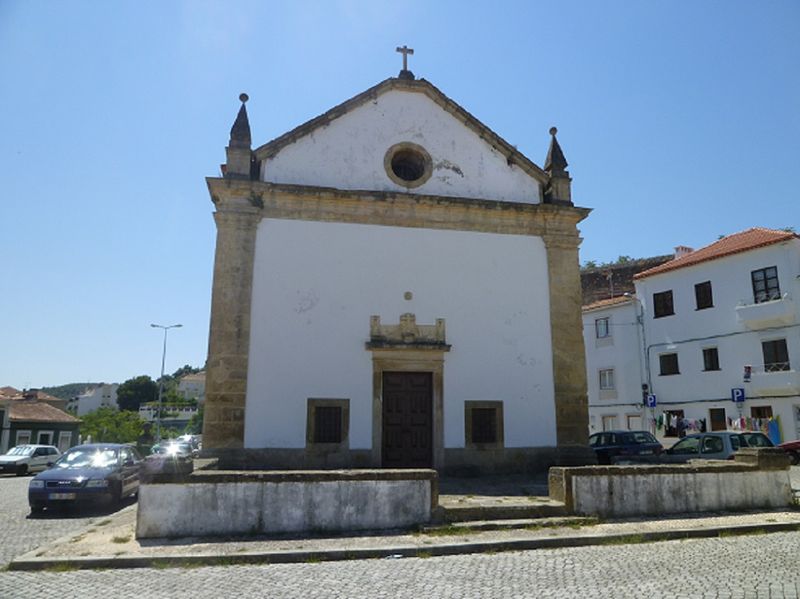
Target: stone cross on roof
405,51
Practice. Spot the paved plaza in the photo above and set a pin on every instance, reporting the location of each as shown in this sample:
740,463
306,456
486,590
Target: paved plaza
761,565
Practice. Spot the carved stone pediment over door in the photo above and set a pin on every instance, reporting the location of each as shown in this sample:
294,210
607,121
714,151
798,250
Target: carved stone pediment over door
415,352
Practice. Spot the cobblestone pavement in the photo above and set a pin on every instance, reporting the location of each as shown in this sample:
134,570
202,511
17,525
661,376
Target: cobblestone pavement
760,566
740,567
19,533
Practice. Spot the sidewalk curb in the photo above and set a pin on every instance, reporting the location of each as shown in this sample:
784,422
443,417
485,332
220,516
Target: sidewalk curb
290,557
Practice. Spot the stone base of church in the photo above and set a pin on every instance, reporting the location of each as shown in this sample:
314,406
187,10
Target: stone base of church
457,461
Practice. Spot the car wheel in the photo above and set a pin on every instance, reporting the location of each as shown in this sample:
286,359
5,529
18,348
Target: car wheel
794,458
22,470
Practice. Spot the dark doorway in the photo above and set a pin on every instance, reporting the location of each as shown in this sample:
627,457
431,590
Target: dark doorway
718,420
407,420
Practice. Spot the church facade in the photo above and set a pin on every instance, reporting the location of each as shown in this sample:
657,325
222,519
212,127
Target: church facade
394,286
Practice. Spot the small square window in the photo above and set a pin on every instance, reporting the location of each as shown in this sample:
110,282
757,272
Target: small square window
601,328
607,379
703,295
327,421
668,364
710,359
483,423
662,304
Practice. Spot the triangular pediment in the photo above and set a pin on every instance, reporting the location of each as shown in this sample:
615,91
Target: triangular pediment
354,146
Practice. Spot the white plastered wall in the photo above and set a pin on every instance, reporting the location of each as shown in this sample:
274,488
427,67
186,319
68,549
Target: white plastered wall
348,153
316,285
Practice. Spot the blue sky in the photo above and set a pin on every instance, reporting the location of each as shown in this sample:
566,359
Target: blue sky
679,119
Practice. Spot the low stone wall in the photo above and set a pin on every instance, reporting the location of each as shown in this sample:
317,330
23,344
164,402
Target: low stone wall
758,478
223,503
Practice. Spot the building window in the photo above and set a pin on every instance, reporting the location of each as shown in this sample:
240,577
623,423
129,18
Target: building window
710,359
45,438
634,422
408,164
327,422
601,328
607,379
668,364
703,296
776,355
483,424
23,437
765,284
662,304
64,441
761,412
609,422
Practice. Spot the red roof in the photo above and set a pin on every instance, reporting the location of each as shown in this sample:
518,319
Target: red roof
605,303
38,412
745,241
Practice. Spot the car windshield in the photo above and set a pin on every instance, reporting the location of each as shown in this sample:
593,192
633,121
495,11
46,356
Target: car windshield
88,458
21,450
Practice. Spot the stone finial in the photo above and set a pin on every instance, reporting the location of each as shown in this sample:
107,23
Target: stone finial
558,190
240,132
555,163
240,163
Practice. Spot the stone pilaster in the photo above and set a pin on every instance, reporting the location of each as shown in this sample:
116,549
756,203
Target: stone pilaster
569,362
229,335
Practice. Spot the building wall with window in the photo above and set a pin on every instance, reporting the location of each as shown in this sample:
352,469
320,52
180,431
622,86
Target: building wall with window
728,311
612,336
102,396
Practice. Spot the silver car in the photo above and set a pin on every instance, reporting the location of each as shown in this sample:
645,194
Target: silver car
706,446
24,459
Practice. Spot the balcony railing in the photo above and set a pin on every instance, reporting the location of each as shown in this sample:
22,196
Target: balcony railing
775,379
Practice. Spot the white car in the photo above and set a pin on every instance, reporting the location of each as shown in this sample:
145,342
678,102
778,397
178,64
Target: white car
23,459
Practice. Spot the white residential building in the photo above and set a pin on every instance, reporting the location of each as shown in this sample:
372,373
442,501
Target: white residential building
193,386
717,324
614,366
103,396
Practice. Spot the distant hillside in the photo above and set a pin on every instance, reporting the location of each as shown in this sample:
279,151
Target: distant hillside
69,390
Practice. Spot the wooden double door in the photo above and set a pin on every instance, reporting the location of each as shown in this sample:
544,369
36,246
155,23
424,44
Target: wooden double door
407,420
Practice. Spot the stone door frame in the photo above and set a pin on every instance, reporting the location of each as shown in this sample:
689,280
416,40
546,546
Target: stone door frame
408,360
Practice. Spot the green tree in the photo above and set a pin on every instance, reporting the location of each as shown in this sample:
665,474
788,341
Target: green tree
106,425
195,425
136,391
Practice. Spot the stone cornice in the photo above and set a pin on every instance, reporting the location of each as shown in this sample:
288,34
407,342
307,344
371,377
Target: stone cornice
302,202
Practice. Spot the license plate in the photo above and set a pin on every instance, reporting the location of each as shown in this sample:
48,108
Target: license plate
61,496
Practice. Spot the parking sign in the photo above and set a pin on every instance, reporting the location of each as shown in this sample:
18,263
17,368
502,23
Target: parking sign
737,394
651,401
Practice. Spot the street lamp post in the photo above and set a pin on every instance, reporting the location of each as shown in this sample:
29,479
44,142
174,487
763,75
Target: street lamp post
161,380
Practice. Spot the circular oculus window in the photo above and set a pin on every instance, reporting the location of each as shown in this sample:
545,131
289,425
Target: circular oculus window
408,164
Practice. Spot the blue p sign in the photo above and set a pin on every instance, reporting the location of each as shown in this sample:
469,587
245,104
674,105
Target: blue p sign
651,401
737,394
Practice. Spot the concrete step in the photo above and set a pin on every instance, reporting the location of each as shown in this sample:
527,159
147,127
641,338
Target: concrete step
467,512
510,524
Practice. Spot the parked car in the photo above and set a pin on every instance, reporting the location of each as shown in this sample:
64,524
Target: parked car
23,459
611,446
100,472
793,449
172,448
708,446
